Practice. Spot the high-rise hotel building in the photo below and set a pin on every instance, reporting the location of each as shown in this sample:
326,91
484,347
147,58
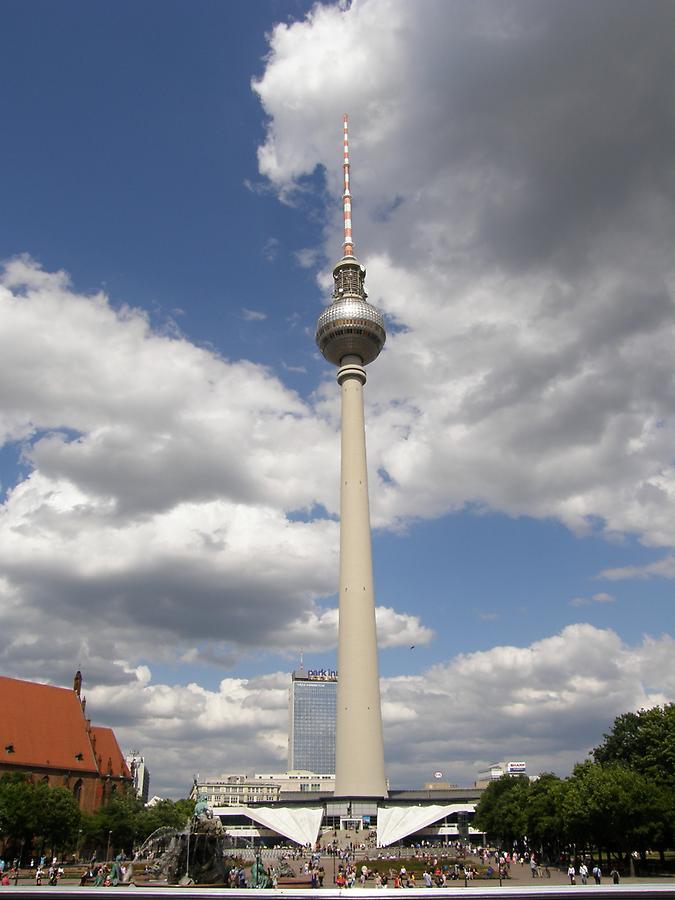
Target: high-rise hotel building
311,733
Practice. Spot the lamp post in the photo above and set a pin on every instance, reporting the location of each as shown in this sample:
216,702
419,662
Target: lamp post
107,852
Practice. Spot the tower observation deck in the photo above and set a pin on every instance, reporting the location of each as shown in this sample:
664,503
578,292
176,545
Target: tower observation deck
350,334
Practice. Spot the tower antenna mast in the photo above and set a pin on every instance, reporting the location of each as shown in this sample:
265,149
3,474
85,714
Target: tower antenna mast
347,243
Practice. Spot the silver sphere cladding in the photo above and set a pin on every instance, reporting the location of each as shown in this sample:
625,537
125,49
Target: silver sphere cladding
350,327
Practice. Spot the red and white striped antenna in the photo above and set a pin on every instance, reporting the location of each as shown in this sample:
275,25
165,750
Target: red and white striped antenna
347,244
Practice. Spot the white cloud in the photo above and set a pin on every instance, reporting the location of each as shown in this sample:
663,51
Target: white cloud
548,703
307,257
318,630
662,568
530,271
158,499
600,597
253,315
271,249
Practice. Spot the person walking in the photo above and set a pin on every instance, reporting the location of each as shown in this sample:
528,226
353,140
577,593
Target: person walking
614,875
583,872
597,873
572,872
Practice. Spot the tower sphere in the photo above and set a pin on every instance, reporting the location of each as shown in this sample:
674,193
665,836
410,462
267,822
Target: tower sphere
350,326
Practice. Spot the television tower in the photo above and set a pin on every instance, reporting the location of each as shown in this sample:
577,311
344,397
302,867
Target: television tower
350,334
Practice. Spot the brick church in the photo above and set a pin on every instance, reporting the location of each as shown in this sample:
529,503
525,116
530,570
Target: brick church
44,732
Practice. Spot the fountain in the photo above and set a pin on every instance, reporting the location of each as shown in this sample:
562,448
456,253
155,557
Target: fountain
191,856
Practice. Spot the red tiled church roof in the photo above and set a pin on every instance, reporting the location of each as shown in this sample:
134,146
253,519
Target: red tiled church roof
108,753
45,726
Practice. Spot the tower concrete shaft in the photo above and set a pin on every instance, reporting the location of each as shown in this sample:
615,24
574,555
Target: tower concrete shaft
359,750
350,334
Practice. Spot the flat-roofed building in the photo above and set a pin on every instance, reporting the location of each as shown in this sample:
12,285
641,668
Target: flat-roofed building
312,715
139,773
235,789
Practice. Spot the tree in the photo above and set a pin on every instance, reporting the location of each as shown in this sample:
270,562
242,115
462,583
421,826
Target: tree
59,817
610,806
18,808
30,810
643,741
166,813
502,809
113,826
544,816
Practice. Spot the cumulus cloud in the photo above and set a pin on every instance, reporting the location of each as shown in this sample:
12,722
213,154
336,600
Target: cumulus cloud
318,630
140,515
513,184
547,703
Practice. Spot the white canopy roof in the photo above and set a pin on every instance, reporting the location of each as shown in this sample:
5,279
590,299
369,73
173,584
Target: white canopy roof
396,822
299,824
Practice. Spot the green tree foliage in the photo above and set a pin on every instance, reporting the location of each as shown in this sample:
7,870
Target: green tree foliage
610,806
18,807
544,820
501,811
32,811
113,826
622,801
165,814
127,822
643,741
58,818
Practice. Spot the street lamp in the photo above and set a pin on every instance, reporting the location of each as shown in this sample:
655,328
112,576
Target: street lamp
107,852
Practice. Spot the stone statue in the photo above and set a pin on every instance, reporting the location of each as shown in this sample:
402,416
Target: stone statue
202,808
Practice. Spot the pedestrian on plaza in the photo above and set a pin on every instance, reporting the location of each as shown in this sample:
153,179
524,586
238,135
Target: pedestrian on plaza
583,872
614,874
572,872
597,873
533,866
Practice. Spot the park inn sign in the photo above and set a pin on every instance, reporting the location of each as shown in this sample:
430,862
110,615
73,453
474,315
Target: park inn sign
322,675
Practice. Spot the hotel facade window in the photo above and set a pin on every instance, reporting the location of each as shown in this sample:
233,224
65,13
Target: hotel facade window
311,741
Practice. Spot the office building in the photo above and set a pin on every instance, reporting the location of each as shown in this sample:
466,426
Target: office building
311,732
140,774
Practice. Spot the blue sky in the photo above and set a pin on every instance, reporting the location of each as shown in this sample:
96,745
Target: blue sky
170,433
